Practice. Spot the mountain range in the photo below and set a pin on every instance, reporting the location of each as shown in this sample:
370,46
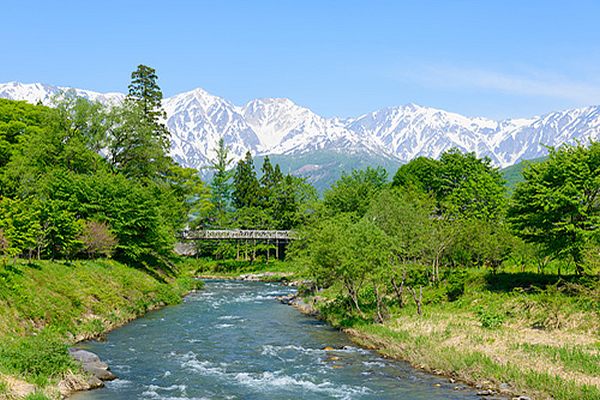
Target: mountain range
307,144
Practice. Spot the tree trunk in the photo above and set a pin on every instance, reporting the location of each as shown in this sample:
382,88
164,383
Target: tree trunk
417,301
399,290
354,295
378,301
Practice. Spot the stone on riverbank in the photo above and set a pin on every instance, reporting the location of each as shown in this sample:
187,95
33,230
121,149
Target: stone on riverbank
91,363
294,300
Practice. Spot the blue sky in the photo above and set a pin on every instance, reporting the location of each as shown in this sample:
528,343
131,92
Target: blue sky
497,59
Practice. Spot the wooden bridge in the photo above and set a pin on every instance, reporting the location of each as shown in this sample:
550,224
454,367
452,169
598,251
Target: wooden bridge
246,234
277,240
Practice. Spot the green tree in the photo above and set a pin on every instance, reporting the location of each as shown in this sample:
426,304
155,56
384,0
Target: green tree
293,200
19,223
421,172
139,140
352,193
220,184
61,143
463,185
82,118
558,204
61,230
405,216
245,184
370,249
18,120
187,195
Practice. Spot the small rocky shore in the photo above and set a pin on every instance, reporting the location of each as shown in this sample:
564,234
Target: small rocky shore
261,277
294,300
97,373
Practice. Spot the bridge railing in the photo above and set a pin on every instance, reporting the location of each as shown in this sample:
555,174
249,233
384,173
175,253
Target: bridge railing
216,234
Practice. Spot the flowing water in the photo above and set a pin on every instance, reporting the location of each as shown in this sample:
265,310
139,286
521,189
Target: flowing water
233,340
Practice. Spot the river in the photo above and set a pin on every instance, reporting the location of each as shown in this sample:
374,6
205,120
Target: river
233,340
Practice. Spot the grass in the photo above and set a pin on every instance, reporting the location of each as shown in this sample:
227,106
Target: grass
583,358
45,306
538,336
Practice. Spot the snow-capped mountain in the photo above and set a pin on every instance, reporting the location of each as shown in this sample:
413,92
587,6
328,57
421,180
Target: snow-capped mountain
197,120
34,92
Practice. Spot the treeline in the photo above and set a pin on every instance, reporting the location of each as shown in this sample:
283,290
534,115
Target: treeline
381,242
80,179
243,199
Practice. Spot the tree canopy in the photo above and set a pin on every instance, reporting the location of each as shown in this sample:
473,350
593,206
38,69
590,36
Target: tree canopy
83,179
558,204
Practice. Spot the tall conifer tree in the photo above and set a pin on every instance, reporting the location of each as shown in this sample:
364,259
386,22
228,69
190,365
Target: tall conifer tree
245,184
220,184
141,141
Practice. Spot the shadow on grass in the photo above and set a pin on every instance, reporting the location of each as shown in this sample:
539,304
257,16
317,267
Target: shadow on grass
503,282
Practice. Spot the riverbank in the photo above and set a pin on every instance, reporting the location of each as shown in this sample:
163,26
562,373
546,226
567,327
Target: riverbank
525,341
525,335
45,306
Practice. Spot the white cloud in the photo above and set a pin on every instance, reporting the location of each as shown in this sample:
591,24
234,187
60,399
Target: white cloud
531,83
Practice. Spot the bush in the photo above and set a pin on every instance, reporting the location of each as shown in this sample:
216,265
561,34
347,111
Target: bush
490,319
456,285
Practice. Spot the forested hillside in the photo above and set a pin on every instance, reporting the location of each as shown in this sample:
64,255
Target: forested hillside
83,180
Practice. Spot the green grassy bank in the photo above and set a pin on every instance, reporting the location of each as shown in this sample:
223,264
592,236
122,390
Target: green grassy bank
517,333
45,306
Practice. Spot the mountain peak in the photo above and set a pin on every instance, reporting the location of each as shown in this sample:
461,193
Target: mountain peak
198,119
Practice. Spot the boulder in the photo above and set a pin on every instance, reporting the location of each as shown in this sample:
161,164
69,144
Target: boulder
100,373
91,363
83,356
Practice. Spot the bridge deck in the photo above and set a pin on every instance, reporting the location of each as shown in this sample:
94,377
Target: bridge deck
237,234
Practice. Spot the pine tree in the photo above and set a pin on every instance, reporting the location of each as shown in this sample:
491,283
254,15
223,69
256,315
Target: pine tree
145,91
269,181
140,140
220,184
245,184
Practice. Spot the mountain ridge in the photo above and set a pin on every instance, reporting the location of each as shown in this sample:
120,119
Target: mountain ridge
278,126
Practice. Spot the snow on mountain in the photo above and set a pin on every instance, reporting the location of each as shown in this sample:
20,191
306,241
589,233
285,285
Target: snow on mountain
197,120
35,92
286,128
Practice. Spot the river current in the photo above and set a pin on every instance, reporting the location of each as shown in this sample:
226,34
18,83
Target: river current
233,340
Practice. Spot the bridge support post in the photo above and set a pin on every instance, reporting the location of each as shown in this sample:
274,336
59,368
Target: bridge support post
268,251
277,249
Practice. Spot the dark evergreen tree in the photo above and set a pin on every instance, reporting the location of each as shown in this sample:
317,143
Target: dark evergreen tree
245,184
269,183
140,141
144,91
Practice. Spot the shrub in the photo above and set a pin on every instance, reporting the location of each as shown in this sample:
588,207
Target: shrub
490,319
97,238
